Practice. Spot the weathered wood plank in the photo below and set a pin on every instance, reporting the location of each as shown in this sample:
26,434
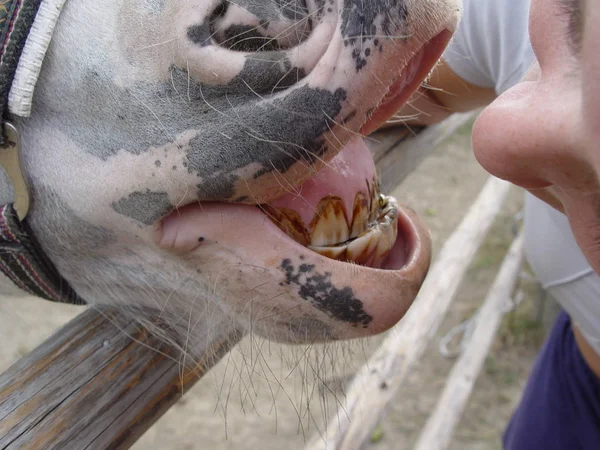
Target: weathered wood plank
54,347
119,382
379,380
25,407
438,430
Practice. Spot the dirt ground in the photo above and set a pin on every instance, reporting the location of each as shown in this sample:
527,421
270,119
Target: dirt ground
267,396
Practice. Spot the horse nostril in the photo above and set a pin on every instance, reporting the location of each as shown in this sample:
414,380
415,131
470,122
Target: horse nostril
260,27
244,38
219,11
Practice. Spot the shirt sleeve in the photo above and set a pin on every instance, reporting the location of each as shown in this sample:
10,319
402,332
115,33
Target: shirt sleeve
491,46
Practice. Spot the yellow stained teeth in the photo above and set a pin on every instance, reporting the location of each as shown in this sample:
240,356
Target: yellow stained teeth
361,249
388,226
288,221
365,239
383,201
329,225
374,200
333,252
371,247
360,215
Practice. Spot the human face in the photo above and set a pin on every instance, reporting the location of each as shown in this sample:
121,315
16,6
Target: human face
544,134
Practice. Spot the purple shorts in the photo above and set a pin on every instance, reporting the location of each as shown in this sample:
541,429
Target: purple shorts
560,408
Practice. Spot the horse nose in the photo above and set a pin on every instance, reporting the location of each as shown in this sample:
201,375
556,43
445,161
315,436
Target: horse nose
261,46
265,46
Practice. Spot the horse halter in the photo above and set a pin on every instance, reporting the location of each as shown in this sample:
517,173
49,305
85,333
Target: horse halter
22,259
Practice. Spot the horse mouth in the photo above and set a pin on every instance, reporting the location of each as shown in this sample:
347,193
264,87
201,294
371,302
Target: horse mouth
340,212
318,241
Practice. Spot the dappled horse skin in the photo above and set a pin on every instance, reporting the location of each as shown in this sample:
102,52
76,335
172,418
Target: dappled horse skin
169,141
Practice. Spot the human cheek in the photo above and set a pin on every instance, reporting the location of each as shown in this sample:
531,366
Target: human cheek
590,73
547,28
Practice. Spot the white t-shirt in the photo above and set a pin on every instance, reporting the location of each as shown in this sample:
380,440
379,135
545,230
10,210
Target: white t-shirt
491,48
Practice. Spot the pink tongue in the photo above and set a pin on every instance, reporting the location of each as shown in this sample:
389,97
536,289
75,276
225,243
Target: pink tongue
344,176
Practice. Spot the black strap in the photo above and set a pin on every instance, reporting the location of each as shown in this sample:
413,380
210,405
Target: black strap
21,257
23,261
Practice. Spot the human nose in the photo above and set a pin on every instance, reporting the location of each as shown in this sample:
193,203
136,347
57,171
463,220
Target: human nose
528,135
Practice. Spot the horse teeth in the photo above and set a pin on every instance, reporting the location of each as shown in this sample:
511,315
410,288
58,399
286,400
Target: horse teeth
373,201
372,247
338,252
361,248
329,225
389,232
360,215
366,240
288,221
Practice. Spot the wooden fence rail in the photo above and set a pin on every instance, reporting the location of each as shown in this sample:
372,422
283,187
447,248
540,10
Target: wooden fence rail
92,385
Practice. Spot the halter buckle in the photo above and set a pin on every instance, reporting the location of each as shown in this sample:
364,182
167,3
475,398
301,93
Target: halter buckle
10,162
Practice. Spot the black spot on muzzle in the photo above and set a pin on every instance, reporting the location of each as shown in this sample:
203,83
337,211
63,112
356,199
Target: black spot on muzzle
365,26
317,288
